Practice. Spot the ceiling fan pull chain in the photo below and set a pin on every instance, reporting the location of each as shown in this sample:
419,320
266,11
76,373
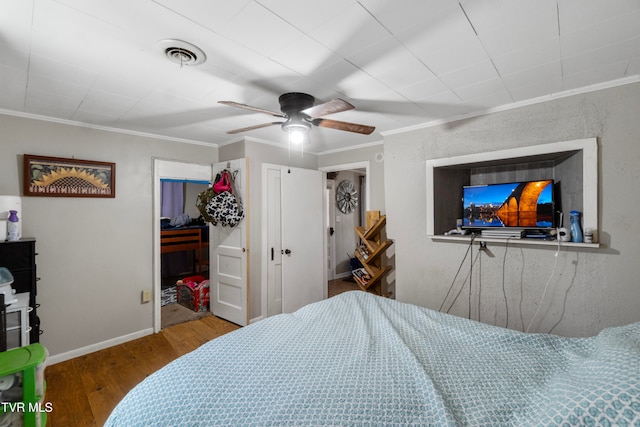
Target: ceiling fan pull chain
289,145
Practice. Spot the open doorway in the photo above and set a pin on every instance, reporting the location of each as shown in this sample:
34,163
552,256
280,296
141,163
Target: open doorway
350,181
200,175
184,251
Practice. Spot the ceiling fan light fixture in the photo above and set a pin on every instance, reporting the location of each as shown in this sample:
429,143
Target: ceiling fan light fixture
296,124
296,136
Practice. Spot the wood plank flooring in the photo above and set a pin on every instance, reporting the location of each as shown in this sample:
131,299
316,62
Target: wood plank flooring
338,286
84,390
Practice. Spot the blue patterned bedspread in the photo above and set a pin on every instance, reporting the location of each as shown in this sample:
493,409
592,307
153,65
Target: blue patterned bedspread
358,359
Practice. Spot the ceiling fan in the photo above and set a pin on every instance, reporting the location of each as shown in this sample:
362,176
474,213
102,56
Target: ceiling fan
300,114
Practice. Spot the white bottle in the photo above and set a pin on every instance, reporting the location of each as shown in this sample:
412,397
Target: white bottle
13,226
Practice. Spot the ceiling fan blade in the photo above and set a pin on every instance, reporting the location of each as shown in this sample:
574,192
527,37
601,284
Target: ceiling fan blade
263,125
249,107
334,106
349,127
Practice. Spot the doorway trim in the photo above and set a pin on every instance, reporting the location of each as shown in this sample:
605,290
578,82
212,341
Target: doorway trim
366,165
357,165
330,213
164,168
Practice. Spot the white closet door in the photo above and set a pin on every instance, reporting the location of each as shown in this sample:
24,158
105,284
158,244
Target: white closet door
229,291
303,258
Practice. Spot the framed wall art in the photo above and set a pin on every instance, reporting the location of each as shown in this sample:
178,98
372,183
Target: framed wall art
60,177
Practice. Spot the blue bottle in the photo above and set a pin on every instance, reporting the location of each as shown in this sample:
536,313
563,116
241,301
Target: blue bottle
576,231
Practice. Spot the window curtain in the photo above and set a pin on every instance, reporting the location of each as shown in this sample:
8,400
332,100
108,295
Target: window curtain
172,199
172,205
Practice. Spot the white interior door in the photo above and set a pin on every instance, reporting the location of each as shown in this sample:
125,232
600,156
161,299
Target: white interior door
303,243
229,293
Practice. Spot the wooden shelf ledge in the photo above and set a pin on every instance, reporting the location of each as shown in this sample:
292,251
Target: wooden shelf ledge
523,241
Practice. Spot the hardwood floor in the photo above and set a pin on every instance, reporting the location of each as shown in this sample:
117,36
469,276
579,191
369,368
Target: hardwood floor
338,286
84,390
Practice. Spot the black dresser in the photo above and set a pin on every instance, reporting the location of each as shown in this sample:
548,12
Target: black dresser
19,258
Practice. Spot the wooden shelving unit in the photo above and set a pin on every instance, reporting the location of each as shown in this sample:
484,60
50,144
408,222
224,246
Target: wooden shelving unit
374,246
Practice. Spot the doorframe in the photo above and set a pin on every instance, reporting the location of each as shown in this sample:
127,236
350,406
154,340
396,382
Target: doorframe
366,165
330,211
165,168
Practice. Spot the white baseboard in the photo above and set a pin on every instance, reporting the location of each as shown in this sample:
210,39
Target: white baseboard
343,275
256,319
68,355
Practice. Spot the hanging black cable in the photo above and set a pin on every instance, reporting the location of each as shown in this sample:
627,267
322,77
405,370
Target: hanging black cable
464,281
470,271
504,292
479,280
456,276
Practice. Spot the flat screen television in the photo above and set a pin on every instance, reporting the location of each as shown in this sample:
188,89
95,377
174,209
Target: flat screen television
523,205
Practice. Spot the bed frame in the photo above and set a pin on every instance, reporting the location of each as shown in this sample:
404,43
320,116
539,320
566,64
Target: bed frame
185,239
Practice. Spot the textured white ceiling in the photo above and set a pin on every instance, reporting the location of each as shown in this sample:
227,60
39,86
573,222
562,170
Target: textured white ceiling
401,63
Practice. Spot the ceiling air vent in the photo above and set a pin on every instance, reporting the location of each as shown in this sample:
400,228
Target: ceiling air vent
181,52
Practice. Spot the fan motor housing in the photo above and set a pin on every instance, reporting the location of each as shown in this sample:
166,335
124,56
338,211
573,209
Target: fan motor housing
294,102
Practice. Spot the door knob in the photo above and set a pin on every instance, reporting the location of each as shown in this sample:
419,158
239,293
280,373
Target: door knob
287,251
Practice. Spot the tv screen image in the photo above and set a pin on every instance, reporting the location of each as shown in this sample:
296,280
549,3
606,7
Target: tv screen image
526,204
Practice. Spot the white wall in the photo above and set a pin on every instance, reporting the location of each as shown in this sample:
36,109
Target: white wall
590,289
94,255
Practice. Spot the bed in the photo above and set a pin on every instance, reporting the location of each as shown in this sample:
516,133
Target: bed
190,238
360,359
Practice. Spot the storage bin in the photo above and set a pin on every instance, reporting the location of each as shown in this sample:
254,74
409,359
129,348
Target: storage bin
196,289
22,387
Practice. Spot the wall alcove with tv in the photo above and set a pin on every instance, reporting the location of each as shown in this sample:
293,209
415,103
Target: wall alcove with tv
573,165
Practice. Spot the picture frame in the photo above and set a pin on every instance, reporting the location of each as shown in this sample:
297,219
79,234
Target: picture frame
46,176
